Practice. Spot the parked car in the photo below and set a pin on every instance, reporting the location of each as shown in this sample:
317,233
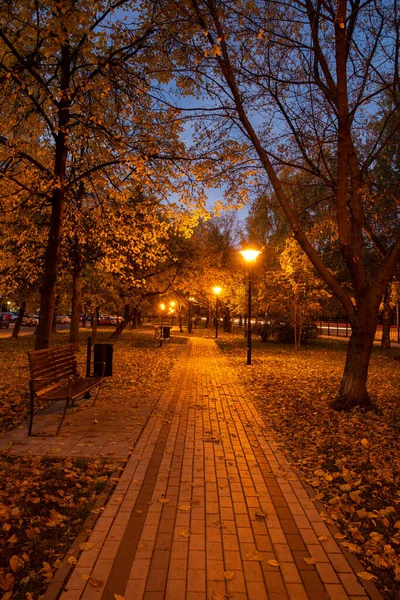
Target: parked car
30,320
104,320
8,316
4,322
62,319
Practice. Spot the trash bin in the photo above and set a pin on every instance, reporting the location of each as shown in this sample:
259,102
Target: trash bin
103,353
166,332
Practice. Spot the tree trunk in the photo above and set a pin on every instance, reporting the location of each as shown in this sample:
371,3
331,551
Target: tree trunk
52,259
47,296
78,265
353,390
95,315
386,316
56,305
18,322
76,303
128,316
227,320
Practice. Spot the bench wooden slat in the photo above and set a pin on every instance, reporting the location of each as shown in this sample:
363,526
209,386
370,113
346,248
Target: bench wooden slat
54,376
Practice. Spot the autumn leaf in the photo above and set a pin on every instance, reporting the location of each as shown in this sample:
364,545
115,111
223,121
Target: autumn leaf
118,597
86,546
184,533
97,583
16,562
273,563
309,560
185,507
229,575
254,556
13,539
6,581
366,576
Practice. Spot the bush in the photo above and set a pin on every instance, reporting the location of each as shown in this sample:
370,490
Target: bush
284,332
263,330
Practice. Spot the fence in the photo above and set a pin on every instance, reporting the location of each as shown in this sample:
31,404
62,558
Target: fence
343,329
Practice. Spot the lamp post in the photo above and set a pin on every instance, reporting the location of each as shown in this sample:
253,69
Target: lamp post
217,290
171,311
249,256
162,308
190,324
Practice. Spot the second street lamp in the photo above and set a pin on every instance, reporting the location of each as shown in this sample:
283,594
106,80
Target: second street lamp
162,308
249,256
190,324
217,290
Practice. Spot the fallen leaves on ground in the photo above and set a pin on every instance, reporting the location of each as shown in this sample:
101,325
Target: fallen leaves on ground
37,535
351,459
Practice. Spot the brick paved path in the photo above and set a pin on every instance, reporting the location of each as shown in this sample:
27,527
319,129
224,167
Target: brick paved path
208,508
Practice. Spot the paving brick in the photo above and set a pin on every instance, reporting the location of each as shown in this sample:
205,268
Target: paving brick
252,571
351,584
196,580
256,590
176,589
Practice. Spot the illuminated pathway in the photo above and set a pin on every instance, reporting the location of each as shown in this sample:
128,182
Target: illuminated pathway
208,508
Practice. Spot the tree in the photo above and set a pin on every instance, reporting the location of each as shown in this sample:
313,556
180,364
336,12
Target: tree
301,291
297,82
76,111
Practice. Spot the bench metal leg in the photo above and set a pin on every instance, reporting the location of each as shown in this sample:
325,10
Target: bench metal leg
97,393
45,434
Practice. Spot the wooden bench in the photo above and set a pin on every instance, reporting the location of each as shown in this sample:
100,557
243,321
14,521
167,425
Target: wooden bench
54,377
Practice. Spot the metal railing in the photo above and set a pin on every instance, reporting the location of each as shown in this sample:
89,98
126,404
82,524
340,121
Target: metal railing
343,329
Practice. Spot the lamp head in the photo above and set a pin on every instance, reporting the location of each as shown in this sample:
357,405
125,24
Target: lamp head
217,290
250,254
162,306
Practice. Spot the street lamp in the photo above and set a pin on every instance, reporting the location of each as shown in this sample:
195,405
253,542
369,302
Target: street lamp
217,290
250,256
162,308
190,324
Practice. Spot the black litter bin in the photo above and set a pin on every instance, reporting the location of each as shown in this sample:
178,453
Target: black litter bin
103,353
166,332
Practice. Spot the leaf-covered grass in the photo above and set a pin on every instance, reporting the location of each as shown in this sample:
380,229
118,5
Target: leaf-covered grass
352,460
140,368
43,504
